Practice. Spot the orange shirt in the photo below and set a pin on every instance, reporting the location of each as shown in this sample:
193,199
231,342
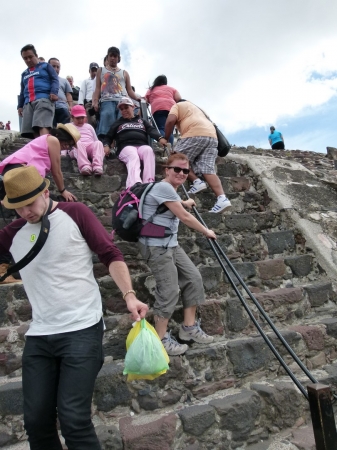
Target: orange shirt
192,121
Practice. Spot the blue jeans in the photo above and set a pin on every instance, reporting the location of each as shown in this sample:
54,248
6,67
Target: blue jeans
109,113
58,377
62,115
160,119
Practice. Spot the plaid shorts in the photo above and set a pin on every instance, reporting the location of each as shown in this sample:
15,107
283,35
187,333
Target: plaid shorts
201,152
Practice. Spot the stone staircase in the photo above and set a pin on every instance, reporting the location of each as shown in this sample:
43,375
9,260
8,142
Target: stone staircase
232,394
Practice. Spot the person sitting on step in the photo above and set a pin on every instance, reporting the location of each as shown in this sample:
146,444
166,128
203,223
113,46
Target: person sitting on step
44,153
131,135
171,267
89,151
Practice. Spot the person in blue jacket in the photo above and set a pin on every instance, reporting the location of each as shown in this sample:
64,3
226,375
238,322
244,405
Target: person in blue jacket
275,139
39,88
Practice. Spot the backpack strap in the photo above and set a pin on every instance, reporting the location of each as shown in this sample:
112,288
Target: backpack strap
35,250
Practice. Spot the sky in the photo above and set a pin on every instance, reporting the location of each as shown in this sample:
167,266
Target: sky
249,63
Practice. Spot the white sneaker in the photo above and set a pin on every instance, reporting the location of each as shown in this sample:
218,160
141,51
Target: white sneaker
221,204
197,186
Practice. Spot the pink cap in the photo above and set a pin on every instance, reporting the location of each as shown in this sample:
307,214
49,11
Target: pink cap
125,101
78,111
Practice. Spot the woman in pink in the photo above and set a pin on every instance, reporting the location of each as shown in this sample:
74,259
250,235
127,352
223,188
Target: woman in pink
161,98
89,152
44,153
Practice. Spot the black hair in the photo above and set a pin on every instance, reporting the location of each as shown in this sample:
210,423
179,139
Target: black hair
51,59
159,81
133,88
105,58
60,134
114,51
181,100
28,47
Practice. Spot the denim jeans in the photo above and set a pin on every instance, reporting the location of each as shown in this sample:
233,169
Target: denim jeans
160,119
58,377
62,115
109,113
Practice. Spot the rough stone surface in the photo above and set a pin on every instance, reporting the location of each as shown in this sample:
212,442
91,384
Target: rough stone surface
11,399
110,388
238,413
300,265
196,419
109,437
147,432
248,355
282,403
331,326
318,294
210,388
279,241
237,318
210,314
313,336
271,268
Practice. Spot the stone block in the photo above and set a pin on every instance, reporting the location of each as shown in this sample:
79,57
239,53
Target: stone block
11,398
240,222
246,270
237,318
212,220
318,294
210,314
211,276
105,184
240,184
109,437
313,336
270,268
206,389
3,310
229,169
3,335
197,419
22,330
282,403
331,326
264,220
148,402
279,241
24,312
111,389
248,355
300,265
238,413
304,438
115,346
279,297
147,432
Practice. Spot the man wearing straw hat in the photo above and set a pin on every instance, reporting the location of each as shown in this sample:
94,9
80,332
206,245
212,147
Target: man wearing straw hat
63,351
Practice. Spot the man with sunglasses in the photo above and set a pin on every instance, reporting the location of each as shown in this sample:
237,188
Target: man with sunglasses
199,143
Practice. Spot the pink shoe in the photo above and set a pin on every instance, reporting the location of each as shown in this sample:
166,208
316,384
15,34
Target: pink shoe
86,170
98,171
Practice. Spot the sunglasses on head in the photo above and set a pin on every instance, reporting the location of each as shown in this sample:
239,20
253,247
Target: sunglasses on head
179,169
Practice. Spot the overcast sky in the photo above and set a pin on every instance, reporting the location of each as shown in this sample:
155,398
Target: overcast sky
249,63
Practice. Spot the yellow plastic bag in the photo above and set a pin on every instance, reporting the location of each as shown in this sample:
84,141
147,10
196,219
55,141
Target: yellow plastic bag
146,357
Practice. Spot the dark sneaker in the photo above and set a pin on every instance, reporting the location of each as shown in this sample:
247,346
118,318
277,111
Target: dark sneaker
173,347
195,334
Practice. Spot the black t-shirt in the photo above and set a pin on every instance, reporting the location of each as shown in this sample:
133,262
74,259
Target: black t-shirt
133,132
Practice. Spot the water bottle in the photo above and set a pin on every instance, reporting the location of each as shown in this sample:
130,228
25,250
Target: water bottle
131,218
125,213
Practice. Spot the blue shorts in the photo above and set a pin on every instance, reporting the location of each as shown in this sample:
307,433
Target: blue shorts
109,113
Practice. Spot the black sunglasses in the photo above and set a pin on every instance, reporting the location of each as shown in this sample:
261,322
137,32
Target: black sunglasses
179,169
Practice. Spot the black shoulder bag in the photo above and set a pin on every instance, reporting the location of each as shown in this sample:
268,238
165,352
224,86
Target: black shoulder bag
35,250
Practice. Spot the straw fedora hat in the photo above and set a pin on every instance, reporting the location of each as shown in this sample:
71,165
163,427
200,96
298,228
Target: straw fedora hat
23,185
72,130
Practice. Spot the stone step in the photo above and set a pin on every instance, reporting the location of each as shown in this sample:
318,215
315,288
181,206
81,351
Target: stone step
217,416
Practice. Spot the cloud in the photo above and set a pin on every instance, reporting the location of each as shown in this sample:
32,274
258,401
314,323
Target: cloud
248,64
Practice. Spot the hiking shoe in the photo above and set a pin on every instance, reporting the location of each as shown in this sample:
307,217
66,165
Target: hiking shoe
195,334
98,171
221,204
86,170
197,186
173,347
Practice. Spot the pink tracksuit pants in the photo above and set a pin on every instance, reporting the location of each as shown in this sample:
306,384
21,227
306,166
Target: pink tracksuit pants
131,157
